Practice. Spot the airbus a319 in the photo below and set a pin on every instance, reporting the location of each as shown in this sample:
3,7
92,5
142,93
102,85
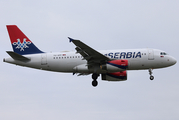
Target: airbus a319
111,65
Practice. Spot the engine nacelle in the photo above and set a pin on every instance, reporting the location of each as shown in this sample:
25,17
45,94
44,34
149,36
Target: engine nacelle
116,76
115,65
110,67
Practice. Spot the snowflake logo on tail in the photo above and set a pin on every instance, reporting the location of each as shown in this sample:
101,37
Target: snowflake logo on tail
23,45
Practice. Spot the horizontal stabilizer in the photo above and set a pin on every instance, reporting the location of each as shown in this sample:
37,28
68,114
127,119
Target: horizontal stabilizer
16,56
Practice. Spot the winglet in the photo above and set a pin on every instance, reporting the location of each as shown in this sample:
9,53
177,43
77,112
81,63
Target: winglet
70,39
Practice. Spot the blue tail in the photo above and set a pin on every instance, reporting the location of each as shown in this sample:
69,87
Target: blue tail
20,42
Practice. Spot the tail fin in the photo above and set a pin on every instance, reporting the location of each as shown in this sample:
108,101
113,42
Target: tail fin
20,42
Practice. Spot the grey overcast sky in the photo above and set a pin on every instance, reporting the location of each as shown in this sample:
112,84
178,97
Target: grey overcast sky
29,94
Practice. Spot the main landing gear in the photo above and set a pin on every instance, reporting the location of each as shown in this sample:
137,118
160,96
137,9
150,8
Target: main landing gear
150,73
94,77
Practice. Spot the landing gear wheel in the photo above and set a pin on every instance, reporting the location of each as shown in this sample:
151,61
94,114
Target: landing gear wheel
151,77
94,76
94,83
150,73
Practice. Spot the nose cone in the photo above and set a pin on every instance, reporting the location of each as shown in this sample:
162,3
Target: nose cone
173,61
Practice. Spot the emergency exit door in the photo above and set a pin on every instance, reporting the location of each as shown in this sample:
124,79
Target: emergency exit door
150,54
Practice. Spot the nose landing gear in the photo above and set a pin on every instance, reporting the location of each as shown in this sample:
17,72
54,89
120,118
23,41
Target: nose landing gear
150,73
94,77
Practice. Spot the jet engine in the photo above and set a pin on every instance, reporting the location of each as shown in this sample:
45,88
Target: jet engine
115,66
110,67
116,76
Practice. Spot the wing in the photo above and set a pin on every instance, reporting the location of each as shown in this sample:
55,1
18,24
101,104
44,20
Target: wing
92,56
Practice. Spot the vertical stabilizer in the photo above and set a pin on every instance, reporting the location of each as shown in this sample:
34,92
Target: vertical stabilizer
20,42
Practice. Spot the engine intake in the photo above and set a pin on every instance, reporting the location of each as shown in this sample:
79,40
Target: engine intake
115,66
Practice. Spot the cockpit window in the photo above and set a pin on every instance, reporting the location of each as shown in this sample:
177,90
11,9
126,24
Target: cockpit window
163,53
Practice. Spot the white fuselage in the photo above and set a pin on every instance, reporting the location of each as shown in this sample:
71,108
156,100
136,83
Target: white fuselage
138,59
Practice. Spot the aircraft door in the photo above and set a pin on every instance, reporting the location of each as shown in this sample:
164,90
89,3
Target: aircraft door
44,59
150,54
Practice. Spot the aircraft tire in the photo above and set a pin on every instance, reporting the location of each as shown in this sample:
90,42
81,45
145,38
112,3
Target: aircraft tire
94,76
94,83
151,77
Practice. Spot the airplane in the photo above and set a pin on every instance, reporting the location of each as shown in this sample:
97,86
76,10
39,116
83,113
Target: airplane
112,65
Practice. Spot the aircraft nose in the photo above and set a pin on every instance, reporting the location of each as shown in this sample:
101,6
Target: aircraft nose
173,61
